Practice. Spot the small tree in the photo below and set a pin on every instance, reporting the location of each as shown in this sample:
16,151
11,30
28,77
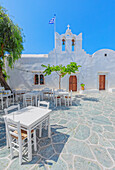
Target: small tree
11,44
61,70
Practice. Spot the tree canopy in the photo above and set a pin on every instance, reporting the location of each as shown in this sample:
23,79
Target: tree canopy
61,70
11,39
11,43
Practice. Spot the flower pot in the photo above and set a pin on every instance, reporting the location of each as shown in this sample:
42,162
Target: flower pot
82,88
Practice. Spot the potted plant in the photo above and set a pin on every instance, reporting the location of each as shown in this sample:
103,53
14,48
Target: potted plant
82,86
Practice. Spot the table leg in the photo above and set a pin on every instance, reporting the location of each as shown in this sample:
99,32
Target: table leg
42,95
16,97
13,98
23,100
7,140
7,102
29,145
2,102
40,130
36,100
49,128
35,145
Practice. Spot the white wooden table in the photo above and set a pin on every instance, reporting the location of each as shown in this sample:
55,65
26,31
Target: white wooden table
33,94
31,117
62,93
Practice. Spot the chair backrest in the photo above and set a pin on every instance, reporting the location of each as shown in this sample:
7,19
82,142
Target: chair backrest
43,104
45,89
7,92
13,130
11,108
28,97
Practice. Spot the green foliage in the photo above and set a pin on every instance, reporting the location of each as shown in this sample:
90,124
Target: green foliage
61,70
11,39
82,85
5,75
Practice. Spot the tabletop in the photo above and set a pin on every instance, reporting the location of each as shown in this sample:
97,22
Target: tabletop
61,93
33,93
29,115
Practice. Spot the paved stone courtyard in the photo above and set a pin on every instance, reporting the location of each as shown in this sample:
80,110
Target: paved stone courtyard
83,137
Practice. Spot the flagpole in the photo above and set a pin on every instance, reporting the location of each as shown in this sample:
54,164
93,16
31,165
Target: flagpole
54,30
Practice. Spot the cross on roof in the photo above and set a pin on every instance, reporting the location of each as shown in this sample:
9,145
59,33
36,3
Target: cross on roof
68,26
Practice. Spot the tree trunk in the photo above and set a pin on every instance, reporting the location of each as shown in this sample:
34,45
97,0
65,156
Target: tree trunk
59,81
3,81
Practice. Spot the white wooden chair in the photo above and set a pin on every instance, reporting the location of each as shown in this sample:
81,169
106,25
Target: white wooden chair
4,100
57,99
1,98
45,105
68,99
17,137
47,93
28,100
11,108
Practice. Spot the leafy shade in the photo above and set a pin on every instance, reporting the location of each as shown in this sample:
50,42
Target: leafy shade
11,44
61,70
11,39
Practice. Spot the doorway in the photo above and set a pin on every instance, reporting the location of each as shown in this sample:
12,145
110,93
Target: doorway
73,83
101,82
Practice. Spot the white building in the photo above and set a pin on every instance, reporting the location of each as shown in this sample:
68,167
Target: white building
97,71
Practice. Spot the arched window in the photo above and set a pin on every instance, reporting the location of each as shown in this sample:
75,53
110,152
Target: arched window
73,44
63,44
36,79
41,79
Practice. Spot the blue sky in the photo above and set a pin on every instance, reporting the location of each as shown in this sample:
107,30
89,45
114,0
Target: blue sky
94,18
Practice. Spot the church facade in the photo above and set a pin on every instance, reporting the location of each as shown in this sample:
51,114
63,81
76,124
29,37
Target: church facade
97,71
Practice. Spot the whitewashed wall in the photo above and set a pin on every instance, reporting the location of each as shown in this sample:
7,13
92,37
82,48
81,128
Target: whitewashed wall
92,66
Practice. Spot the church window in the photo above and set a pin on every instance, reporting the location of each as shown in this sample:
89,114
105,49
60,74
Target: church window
41,79
36,79
73,44
63,44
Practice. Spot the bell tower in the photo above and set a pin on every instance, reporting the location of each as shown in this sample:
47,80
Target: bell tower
68,42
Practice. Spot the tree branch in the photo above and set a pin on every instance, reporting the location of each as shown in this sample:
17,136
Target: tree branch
57,72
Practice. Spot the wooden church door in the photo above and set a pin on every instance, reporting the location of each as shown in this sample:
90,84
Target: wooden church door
73,83
101,82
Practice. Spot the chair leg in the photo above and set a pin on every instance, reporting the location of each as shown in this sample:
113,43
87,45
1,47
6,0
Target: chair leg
60,101
11,151
56,102
71,101
13,99
65,101
20,155
68,102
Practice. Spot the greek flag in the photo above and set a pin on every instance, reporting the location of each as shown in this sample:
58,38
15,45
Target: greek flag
52,21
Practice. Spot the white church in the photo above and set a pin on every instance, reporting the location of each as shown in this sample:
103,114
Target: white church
97,71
